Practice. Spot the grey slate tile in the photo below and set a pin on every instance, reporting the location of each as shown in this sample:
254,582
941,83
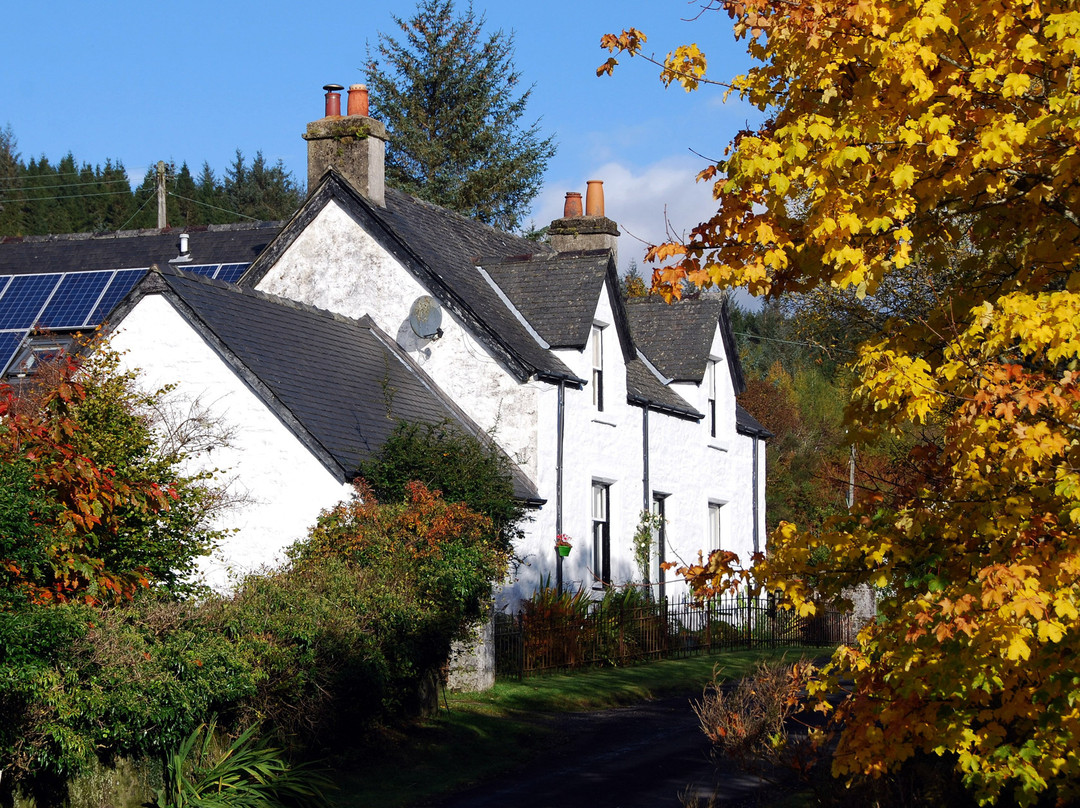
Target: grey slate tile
345,381
557,293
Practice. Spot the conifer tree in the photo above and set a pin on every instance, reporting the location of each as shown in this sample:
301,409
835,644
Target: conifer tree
449,95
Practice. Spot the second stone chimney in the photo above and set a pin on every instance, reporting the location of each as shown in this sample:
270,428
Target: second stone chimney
591,231
354,144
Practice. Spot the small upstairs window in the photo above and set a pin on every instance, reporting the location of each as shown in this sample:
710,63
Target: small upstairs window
601,531
710,390
598,367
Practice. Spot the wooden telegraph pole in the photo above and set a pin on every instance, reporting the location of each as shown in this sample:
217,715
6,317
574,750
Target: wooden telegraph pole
161,220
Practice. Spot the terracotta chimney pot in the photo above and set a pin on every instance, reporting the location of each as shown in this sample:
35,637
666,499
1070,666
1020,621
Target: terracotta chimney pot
358,100
333,100
572,206
594,198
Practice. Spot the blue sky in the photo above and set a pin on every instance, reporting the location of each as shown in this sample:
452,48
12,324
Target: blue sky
149,80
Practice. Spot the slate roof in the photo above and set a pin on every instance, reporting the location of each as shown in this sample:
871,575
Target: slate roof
747,424
677,336
441,248
555,292
645,390
209,244
342,384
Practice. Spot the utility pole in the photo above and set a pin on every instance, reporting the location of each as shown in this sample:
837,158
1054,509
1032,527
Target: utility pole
851,479
161,222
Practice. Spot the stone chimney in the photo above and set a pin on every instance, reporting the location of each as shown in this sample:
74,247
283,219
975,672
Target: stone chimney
591,231
354,144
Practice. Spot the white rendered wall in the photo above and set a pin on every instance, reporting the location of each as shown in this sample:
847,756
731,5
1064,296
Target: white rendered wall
284,484
336,265
725,476
598,446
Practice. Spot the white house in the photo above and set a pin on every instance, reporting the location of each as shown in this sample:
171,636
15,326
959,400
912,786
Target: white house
370,305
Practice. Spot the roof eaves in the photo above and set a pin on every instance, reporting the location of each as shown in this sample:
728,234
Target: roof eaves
747,424
618,306
738,381
644,402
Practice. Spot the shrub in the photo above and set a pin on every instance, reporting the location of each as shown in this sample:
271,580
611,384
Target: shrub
352,634
748,722
94,505
443,458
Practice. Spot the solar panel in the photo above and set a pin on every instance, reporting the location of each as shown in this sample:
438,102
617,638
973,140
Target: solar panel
9,343
123,283
74,299
24,298
231,273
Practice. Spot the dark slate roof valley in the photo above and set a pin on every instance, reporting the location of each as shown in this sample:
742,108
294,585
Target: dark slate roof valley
128,249
343,381
556,293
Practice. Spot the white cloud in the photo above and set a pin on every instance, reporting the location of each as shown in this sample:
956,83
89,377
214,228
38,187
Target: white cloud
650,205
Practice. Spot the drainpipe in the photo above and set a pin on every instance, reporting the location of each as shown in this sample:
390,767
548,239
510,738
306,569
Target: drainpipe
560,429
757,527
646,500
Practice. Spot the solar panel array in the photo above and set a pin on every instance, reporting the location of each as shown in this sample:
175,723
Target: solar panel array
73,301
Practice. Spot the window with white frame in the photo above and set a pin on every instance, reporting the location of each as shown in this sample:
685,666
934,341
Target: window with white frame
598,367
601,532
710,388
714,526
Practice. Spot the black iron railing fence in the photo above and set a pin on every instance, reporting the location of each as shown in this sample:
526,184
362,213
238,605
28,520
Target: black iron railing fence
606,633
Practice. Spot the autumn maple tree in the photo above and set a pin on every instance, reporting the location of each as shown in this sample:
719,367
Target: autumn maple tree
941,141
94,505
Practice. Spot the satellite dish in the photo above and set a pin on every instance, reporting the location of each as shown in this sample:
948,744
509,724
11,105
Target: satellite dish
425,317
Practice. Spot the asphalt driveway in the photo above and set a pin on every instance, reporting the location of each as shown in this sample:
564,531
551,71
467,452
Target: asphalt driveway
644,756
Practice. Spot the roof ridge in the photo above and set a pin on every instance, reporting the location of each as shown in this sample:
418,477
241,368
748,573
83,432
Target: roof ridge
455,214
495,260
141,232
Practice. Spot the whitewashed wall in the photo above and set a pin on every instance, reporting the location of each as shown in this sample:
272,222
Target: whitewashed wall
336,265
284,484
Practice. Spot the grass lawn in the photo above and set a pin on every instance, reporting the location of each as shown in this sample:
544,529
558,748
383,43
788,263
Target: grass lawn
484,734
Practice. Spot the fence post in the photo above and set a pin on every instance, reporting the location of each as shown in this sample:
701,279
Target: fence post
749,622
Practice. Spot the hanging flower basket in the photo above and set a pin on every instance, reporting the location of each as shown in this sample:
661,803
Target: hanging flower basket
562,544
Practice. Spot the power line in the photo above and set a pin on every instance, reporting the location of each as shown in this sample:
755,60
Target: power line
215,207
68,196
68,173
136,213
813,345
65,185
